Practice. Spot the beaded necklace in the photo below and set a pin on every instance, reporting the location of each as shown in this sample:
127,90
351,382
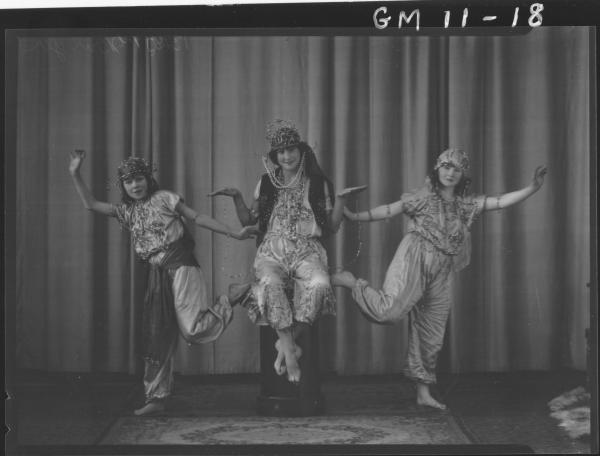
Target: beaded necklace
291,200
279,184
290,196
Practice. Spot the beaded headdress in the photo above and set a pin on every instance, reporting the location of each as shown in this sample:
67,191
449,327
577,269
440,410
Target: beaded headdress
282,134
132,166
456,157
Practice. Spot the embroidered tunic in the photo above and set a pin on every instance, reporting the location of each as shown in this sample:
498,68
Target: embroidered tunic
445,224
154,223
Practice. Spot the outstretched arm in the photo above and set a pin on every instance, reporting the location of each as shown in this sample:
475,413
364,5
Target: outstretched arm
383,212
86,196
247,216
212,224
493,203
336,215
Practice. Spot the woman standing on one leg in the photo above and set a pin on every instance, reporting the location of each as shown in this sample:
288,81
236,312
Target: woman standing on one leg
417,282
176,295
293,207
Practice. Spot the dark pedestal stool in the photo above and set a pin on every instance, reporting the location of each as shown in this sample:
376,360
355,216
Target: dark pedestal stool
278,396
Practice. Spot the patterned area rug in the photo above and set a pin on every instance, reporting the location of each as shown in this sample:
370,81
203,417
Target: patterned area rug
207,414
243,430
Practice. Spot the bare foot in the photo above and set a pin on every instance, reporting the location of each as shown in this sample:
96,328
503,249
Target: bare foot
297,351
291,364
237,292
280,360
287,345
343,279
424,398
431,402
150,408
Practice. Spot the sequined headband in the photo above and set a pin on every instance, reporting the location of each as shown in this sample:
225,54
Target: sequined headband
281,134
454,156
132,166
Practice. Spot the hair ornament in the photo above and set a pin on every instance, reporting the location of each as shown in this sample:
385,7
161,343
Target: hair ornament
282,134
455,157
132,166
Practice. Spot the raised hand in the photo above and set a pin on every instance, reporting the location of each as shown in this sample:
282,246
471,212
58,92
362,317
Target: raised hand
77,157
538,176
351,191
225,191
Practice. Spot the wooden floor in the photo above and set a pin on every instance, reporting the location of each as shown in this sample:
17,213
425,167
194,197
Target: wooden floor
59,410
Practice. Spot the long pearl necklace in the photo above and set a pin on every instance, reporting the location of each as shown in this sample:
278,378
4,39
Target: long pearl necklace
292,183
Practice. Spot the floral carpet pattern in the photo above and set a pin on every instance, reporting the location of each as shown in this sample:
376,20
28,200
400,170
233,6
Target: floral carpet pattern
209,414
489,409
437,428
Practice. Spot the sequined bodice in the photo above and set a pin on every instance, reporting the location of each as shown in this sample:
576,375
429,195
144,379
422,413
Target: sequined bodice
292,216
445,224
154,223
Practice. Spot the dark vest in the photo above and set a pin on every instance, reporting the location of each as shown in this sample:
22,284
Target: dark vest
316,198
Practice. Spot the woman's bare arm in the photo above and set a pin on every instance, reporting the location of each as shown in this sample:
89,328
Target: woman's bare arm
89,201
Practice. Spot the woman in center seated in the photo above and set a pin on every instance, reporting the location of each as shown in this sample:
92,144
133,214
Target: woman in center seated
294,208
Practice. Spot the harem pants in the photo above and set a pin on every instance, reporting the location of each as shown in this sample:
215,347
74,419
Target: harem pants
198,323
417,284
278,262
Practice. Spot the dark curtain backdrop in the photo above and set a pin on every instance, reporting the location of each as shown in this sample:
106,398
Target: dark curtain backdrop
377,111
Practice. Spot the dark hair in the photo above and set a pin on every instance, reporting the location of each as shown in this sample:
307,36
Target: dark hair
461,188
316,196
152,188
311,165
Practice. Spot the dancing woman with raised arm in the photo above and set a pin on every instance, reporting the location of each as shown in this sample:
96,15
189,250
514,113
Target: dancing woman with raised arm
417,282
176,298
294,206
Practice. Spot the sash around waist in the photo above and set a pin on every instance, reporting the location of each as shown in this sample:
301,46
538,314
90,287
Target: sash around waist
178,253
